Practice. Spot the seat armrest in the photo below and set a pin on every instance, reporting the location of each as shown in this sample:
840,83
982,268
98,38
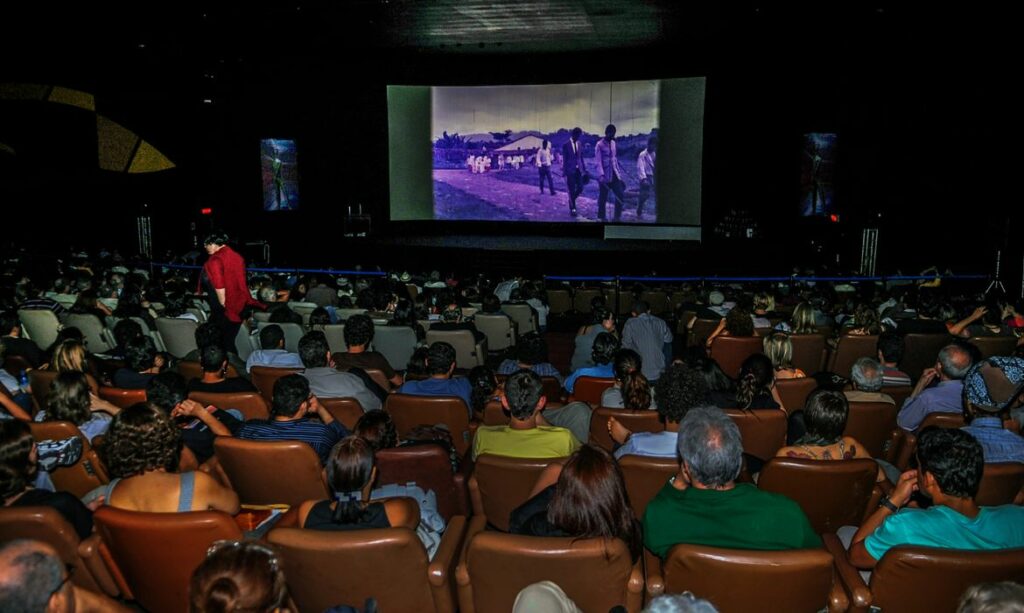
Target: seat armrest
907,448
635,587
892,447
441,568
88,550
838,601
857,592
655,579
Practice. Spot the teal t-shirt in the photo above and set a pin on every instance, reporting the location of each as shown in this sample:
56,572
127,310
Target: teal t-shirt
741,518
940,526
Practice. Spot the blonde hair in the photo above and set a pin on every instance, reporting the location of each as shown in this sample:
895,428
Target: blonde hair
69,356
803,319
779,350
764,301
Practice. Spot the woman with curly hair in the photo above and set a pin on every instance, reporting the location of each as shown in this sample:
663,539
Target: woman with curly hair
141,451
70,400
738,322
864,322
585,498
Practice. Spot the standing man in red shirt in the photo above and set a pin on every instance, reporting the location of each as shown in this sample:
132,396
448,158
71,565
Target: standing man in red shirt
223,279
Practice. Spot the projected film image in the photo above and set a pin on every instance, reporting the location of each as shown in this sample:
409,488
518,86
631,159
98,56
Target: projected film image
817,168
558,153
280,175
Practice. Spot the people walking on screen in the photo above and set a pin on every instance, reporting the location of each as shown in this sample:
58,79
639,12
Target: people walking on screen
573,168
544,166
609,174
645,173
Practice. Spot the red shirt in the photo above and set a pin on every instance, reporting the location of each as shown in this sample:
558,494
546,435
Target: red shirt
226,270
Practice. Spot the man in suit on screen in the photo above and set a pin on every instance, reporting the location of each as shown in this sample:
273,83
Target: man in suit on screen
573,168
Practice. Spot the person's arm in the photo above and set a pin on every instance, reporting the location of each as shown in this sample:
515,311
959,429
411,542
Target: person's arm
960,327
87,601
13,408
718,330
402,512
99,404
191,408
317,408
913,411
858,553
218,497
548,477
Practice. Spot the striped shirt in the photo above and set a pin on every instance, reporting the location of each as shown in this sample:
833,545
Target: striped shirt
647,335
893,377
43,304
997,443
544,369
314,433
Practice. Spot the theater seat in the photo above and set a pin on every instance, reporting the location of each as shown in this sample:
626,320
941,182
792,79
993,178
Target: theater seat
429,467
46,524
1001,483
325,569
251,404
84,475
808,352
194,370
123,398
498,329
908,443
731,351
39,381
994,345
794,392
179,335
153,554
849,349
589,389
644,477
635,421
923,579
737,581
264,377
499,484
873,424
271,472
763,430
596,573
832,493
346,410
409,411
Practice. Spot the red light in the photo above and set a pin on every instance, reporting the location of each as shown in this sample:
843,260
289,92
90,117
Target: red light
833,217
210,212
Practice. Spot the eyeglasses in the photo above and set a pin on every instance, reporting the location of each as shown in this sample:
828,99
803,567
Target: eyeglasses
247,546
69,570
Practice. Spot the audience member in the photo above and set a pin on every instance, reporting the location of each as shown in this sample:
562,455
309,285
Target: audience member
199,425
992,388
531,354
326,381
358,335
13,342
453,320
272,353
680,389
140,364
603,321
779,349
70,400
441,366
603,352
945,397
1002,597
755,388
33,579
631,390
649,336
214,361
866,374
239,576
890,354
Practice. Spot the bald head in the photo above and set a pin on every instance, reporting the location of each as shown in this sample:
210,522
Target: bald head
954,361
30,574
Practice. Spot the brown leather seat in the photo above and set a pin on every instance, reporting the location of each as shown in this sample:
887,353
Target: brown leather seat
264,377
498,485
920,351
39,381
737,580
995,345
1000,484
194,370
899,394
701,330
84,475
495,414
251,404
325,569
849,349
153,554
908,445
409,411
346,410
832,493
596,573
730,351
923,579
123,398
763,430
430,468
271,472
794,392
379,378
644,477
635,421
808,352
46,524
589,389
14,364
873,424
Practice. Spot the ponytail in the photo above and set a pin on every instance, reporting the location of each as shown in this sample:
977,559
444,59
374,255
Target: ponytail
636,391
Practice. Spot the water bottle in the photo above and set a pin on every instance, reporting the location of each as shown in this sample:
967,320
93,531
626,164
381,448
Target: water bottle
23,381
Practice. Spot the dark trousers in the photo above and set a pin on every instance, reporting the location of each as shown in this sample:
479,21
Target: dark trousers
616,186
574,185
545,171
646,191
228,330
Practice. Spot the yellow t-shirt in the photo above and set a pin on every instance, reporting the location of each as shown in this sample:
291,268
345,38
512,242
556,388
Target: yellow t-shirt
539,442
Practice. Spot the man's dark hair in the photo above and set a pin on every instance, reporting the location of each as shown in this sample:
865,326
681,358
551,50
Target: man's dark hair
605,346
490,304
523,389
166,391
212,358
313,349
440,357
610,130
8,320
954,458
31,578
640,307
140,353
358,330
290,391
532,349
577,132
125,330
652,143
216,237
207,334
679,389
271,336
890,344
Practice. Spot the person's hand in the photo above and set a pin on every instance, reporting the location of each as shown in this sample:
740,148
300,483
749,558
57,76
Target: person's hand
979,312
314,405
188,408
927,376
608,325
906,486
98,502
619,433
159,361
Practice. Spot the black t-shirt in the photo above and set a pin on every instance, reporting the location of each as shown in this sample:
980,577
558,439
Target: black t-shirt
531,517
921,326
77,514
199,438
128,379
23,347
227,386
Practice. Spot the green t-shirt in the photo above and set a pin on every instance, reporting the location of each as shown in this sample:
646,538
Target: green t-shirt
539,442
940,526
741,518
